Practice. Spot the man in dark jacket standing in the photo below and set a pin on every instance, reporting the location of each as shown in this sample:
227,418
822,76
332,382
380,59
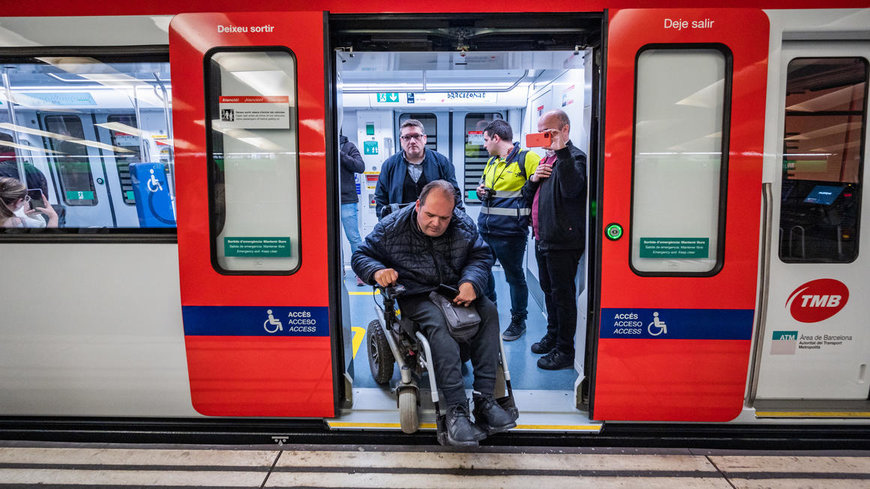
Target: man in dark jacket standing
557,192
421,247
350,162
404,174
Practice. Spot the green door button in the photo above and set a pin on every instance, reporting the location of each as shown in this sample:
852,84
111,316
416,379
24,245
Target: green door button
613,231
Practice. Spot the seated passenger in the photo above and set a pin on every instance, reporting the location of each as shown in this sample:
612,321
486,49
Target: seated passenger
15,211
420,247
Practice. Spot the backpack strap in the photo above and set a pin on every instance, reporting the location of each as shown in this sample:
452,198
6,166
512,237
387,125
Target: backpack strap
521,161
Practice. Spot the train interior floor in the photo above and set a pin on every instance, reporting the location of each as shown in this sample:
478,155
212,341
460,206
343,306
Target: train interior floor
545,399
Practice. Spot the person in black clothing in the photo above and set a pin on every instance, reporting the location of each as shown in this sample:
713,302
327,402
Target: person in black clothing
422,247
557,191
350,162
404,174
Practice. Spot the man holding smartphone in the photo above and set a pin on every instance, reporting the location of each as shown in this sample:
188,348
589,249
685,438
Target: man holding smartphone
557,192
504,216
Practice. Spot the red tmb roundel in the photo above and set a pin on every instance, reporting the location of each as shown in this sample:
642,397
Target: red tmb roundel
817,300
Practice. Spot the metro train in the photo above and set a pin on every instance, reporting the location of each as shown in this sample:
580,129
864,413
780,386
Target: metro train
199,267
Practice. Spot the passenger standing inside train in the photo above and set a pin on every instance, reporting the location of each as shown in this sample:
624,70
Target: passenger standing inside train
557,191
504,216
350,163
422,247
15,211
404,174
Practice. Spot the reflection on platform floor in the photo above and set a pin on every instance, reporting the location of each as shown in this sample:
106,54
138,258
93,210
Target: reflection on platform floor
63,466
522,363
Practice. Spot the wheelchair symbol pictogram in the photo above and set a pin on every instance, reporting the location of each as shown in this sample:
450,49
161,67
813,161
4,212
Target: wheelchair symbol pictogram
657,326
154,184
272,325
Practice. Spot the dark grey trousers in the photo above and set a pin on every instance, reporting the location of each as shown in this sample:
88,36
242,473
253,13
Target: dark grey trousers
484,346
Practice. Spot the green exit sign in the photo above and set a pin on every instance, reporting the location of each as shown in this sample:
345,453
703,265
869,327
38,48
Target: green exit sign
388,97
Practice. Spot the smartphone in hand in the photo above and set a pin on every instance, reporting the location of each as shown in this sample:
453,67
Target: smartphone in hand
35,198
538,140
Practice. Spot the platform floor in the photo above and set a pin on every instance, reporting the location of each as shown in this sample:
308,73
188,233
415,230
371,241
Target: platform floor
63,466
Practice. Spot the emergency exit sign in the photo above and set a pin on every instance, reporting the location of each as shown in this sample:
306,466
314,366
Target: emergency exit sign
388,97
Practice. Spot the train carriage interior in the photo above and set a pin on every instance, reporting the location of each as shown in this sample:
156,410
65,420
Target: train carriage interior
455,80
78,123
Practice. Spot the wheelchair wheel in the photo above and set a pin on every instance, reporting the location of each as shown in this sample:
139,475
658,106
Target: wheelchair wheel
409,419
380,356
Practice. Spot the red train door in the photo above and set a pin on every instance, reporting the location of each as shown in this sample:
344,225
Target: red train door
680,208
250,118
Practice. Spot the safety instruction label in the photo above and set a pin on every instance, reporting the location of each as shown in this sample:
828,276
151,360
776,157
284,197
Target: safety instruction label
475,137
674,247
255,112
370,147
372,179
268,247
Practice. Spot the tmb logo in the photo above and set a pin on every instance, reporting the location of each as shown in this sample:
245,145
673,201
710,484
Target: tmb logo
817,300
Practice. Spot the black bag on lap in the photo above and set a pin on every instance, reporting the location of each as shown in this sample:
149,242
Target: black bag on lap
462,321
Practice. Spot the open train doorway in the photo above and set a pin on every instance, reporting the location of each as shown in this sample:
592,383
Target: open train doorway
456,75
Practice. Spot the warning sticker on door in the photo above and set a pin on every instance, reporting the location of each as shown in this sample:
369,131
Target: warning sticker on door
255,112
674,247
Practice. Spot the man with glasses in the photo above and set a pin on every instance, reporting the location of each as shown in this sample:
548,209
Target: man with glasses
404,174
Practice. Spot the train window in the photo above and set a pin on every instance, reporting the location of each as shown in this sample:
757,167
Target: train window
71,159
823,150
430,125
475,154
679,160
253,160
82,129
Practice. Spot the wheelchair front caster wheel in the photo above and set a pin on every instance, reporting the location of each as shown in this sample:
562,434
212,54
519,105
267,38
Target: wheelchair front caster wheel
409,418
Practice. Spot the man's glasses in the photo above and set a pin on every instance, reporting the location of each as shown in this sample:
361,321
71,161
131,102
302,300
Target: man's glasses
408,137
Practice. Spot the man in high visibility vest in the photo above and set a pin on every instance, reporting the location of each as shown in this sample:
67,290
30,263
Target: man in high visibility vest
504,216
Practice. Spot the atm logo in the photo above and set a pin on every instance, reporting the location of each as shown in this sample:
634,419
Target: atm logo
784,343
817,300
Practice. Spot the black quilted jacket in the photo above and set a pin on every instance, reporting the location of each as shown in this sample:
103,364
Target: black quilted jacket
459,255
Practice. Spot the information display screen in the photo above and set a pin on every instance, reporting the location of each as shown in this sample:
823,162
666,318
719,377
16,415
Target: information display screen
823,194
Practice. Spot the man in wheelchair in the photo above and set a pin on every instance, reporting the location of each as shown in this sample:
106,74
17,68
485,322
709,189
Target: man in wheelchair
425,246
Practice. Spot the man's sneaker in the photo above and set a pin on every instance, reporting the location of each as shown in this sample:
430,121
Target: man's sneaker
546,345
461,432
556,360
490,416
515,329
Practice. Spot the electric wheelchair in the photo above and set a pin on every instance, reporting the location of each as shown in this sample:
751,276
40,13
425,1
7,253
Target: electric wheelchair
393,340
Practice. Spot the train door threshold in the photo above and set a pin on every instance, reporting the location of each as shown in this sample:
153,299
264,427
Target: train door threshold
540,411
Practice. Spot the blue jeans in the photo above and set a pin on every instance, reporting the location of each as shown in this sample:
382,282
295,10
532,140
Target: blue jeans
509,251
350,222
